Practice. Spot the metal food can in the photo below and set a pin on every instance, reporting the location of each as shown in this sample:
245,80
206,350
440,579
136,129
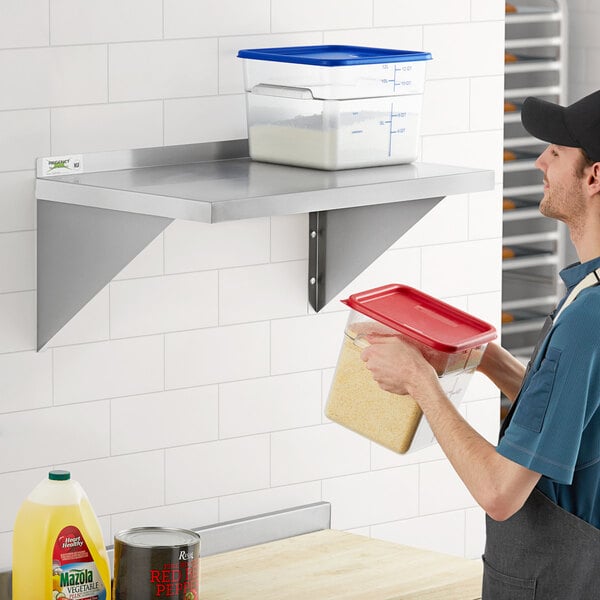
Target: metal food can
156,562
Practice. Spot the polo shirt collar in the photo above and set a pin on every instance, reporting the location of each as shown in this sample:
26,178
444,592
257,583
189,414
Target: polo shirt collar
574,273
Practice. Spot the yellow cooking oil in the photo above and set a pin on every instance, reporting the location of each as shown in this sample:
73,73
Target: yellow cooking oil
58,549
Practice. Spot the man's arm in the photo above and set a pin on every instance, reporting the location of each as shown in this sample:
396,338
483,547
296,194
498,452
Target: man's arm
499,485
504,370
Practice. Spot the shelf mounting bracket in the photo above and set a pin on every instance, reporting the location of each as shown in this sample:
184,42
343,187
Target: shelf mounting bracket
344,242
79,250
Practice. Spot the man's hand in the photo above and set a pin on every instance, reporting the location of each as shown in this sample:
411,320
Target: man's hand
396,365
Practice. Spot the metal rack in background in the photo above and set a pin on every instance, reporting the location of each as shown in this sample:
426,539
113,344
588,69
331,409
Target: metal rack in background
534,248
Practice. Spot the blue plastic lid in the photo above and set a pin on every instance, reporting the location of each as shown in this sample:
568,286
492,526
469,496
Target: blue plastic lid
333,55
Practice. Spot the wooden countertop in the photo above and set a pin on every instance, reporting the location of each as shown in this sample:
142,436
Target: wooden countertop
335,565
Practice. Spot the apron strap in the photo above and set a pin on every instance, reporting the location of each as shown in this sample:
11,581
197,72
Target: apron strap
589,280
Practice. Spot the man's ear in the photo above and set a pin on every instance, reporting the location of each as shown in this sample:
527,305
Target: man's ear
593,179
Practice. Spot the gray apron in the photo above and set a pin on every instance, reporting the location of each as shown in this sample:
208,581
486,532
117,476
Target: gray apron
542,552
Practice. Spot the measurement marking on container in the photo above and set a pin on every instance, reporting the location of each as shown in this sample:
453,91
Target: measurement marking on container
397,130
390,136
402,70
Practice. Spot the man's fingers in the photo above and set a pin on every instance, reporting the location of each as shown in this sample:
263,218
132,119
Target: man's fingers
381,338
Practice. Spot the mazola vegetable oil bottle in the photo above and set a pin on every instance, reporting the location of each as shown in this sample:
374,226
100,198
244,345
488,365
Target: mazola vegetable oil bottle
58,549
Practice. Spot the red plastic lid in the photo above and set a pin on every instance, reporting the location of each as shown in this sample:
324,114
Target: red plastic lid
422,317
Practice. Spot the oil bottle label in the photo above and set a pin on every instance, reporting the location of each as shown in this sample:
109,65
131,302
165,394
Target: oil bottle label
75,575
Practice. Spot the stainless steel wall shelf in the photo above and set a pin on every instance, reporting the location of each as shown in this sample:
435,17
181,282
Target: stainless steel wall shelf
93,222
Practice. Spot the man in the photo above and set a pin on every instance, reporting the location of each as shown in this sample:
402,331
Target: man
540,487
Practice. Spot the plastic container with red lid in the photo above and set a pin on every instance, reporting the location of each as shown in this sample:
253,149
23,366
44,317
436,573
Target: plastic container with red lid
451,340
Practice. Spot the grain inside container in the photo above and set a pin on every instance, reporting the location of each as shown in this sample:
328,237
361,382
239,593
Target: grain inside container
451,340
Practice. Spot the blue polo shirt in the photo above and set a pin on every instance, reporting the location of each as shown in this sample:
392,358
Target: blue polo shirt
555,428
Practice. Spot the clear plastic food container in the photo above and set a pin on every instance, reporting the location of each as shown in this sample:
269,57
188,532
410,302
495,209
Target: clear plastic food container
451,340
286,125
333,107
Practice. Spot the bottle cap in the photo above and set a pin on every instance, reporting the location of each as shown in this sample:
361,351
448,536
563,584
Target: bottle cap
59,475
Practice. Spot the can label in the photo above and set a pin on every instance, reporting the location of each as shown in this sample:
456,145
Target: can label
177,580
157,562
75,575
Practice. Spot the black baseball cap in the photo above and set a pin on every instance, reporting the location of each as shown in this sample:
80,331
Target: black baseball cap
577,125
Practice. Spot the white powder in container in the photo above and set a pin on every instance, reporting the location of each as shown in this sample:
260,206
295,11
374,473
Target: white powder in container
344,134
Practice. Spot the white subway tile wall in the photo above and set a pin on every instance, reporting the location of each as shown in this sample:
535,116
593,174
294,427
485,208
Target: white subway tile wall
17,321
442,532
17,202
17,261
33,437
373,497
386,37
165,69
217,468
210,18
310,15
198,512
24,25
25,135
152,421
191,389
487,94
455,117
179,302
101,23
239,506
269,404
216,354
85,372
90,324
99,127
26,381
402,12
210,119
56,76
142,474
264,292
316,452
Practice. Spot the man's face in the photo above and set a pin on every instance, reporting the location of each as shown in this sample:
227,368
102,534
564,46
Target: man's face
563,183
